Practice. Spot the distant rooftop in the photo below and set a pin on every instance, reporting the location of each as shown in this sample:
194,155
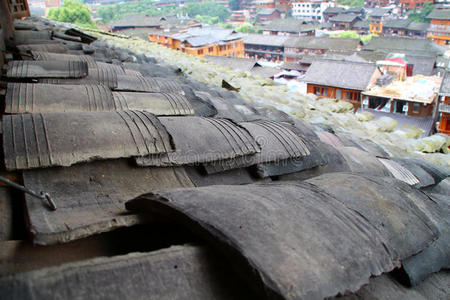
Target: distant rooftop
334,10
204,36
345,18
322,43
378,12
267,11
440,14
289,25
138,20
342,74
261,39
400,44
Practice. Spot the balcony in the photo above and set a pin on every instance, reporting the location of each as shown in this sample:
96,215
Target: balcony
445,108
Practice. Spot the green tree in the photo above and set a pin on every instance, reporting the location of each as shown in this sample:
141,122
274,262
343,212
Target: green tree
234,4
116,12
210,8
72,12
348,34
351,3
246,28
421,16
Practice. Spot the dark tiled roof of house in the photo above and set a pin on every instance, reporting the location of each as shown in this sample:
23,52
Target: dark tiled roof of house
327,43
361,25
267,40
396,23
439,14
166,187
378,12
350,75
345,18
289,25
267,11
400,44
138,20
414,26
334,10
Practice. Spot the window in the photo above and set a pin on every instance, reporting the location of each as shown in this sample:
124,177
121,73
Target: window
200,52
338,94
351,96
416,108
317,91
210,49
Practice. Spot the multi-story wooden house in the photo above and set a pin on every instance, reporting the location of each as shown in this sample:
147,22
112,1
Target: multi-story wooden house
294,48
267,15
261,46
439,30
444,105
342,80
203,41
344,21
413,4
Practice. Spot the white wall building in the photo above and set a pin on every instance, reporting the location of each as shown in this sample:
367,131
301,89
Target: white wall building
311,10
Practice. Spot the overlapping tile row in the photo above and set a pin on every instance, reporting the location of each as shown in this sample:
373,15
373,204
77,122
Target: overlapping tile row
179,272
308,240
62,139
199,140
277,143
47,69
42,98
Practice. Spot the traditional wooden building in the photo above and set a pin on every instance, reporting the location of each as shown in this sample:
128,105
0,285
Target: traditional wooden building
203,41
439,30
331,12
413,4
444,105
136,21
342,80
416,46
344,21
289,27
294,48
267,15
240,16
261,46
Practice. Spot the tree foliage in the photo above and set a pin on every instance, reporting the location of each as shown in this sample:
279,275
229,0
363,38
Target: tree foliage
248,28
209,8
351,3
193,9
115,12
348,34
354,35
421,16
72,12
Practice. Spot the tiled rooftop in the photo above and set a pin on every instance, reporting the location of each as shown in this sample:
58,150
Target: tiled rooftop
166,187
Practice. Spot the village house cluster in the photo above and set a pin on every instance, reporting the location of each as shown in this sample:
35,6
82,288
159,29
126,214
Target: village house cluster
303,50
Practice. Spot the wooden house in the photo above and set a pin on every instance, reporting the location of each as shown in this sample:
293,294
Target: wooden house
344,21
260,46
342,80
444,105
439,30
266,15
